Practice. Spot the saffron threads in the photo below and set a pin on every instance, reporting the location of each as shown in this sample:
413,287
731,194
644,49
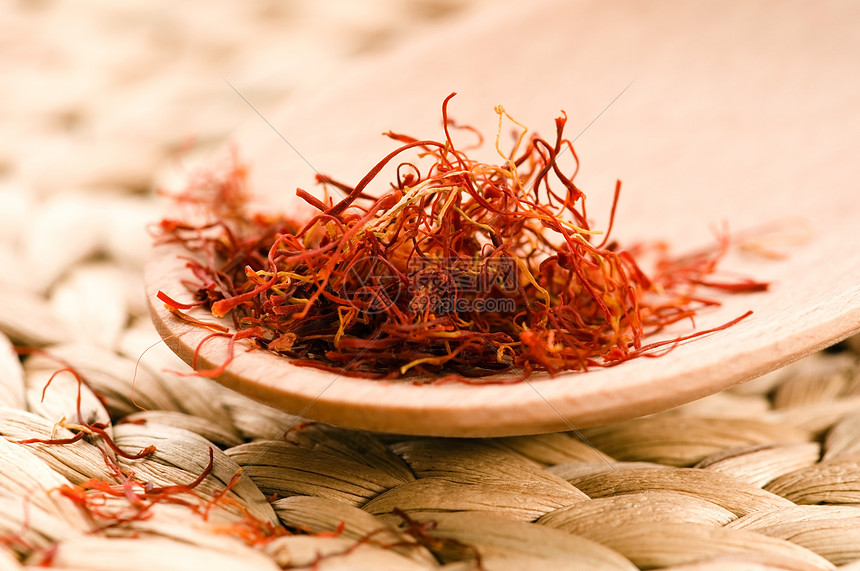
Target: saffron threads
455,267
423,534
125,498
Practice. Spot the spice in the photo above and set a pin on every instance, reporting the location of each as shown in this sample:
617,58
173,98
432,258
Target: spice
124,497
457,267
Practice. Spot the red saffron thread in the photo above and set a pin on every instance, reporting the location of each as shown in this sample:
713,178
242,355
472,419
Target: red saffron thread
460,269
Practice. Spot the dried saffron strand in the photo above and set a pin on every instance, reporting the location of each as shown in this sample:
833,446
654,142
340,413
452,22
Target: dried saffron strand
126,499
82,426
18,541
422,533
122,498
141,496
417,534
460,267
92,495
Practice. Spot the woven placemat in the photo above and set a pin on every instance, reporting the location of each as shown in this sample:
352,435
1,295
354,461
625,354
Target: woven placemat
97,99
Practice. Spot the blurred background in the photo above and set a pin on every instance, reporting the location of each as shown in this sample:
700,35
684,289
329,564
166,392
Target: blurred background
97,98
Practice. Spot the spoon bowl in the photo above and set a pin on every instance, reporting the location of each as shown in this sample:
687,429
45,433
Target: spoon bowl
711,114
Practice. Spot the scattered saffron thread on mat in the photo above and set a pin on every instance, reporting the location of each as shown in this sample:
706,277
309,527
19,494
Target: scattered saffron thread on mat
124,498
138,497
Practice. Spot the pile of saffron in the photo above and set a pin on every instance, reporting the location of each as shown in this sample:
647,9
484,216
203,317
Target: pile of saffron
455,268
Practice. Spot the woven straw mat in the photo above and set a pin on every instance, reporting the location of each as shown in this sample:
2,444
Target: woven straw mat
96,99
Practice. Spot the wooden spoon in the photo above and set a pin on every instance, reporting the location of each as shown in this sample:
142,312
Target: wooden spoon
737,114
